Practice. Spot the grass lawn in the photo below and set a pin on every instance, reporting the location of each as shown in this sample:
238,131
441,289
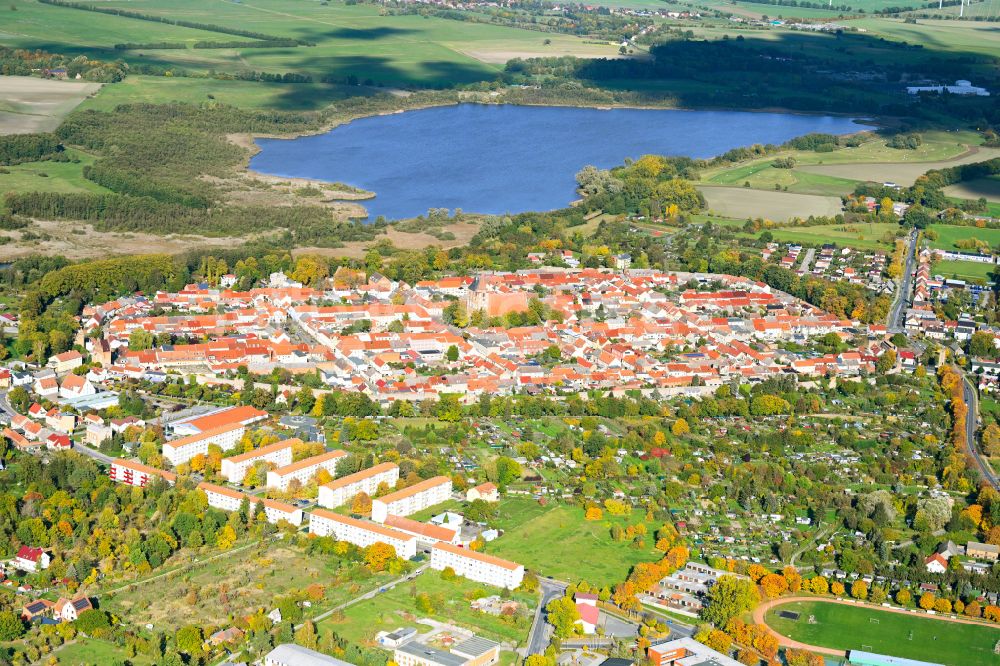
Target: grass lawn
49,176
910,636
556,541
963,270
94,652
397,608
949,234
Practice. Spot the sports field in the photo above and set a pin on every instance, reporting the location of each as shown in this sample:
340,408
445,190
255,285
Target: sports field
963,270
556,541
844,627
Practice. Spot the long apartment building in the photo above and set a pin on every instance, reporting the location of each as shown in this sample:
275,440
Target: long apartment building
361,533
182,450
477,566
235,468
427,534
137,474
228,499
410,500
304,470
341,491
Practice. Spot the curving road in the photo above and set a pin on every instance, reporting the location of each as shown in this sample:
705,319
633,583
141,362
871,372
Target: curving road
971,426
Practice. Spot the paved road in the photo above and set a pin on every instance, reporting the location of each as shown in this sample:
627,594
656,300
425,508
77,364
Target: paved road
540,628
971,426
807,260
79,448
899,303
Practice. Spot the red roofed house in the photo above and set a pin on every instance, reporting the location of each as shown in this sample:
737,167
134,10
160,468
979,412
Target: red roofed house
31,559
75,386
485,491
936,563
586,606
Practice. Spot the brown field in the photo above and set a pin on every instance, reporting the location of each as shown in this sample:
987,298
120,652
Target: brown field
28,104
988,188
903,173
739,202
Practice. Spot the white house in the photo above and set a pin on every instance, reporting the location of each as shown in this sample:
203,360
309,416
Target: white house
182,450
31,559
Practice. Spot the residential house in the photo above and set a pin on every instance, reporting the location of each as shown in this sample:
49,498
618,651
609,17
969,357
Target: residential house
66,361
31,559
487,492
68,610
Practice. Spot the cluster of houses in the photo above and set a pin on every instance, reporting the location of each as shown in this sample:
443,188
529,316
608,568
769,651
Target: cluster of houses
867,269
974,557
656,332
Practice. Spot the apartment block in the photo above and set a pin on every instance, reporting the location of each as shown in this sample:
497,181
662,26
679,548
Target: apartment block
304,470
227,499
474,651
477,566
410,500
360,532
341,491
235,468
137,474
182,450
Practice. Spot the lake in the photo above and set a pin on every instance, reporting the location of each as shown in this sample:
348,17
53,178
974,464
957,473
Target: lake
497,159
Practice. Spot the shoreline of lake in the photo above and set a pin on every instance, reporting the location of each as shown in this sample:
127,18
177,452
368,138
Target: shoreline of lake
477,157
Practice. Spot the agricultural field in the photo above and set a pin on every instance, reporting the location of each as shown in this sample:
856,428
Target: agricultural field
740,202
987,188
29,104
233,585
530,530
963,270
397,607
351,41
860,236
948,235
901,172
949,36
844,627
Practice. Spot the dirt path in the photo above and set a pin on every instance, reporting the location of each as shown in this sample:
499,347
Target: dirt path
760,613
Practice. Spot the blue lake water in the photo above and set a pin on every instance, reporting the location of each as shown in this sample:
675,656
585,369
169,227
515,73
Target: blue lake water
500,159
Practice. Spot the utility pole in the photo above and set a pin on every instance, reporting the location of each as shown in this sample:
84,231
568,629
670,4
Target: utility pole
961,8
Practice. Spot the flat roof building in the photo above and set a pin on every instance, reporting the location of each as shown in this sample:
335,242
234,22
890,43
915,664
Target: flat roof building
288,654
474,651
182,450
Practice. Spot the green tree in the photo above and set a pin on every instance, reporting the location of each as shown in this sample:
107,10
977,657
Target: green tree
562,615
728,598
11,626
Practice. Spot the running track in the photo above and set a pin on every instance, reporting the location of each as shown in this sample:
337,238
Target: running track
761,611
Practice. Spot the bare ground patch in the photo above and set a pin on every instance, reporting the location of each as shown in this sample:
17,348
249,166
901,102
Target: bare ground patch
463,232
29,104
86,243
